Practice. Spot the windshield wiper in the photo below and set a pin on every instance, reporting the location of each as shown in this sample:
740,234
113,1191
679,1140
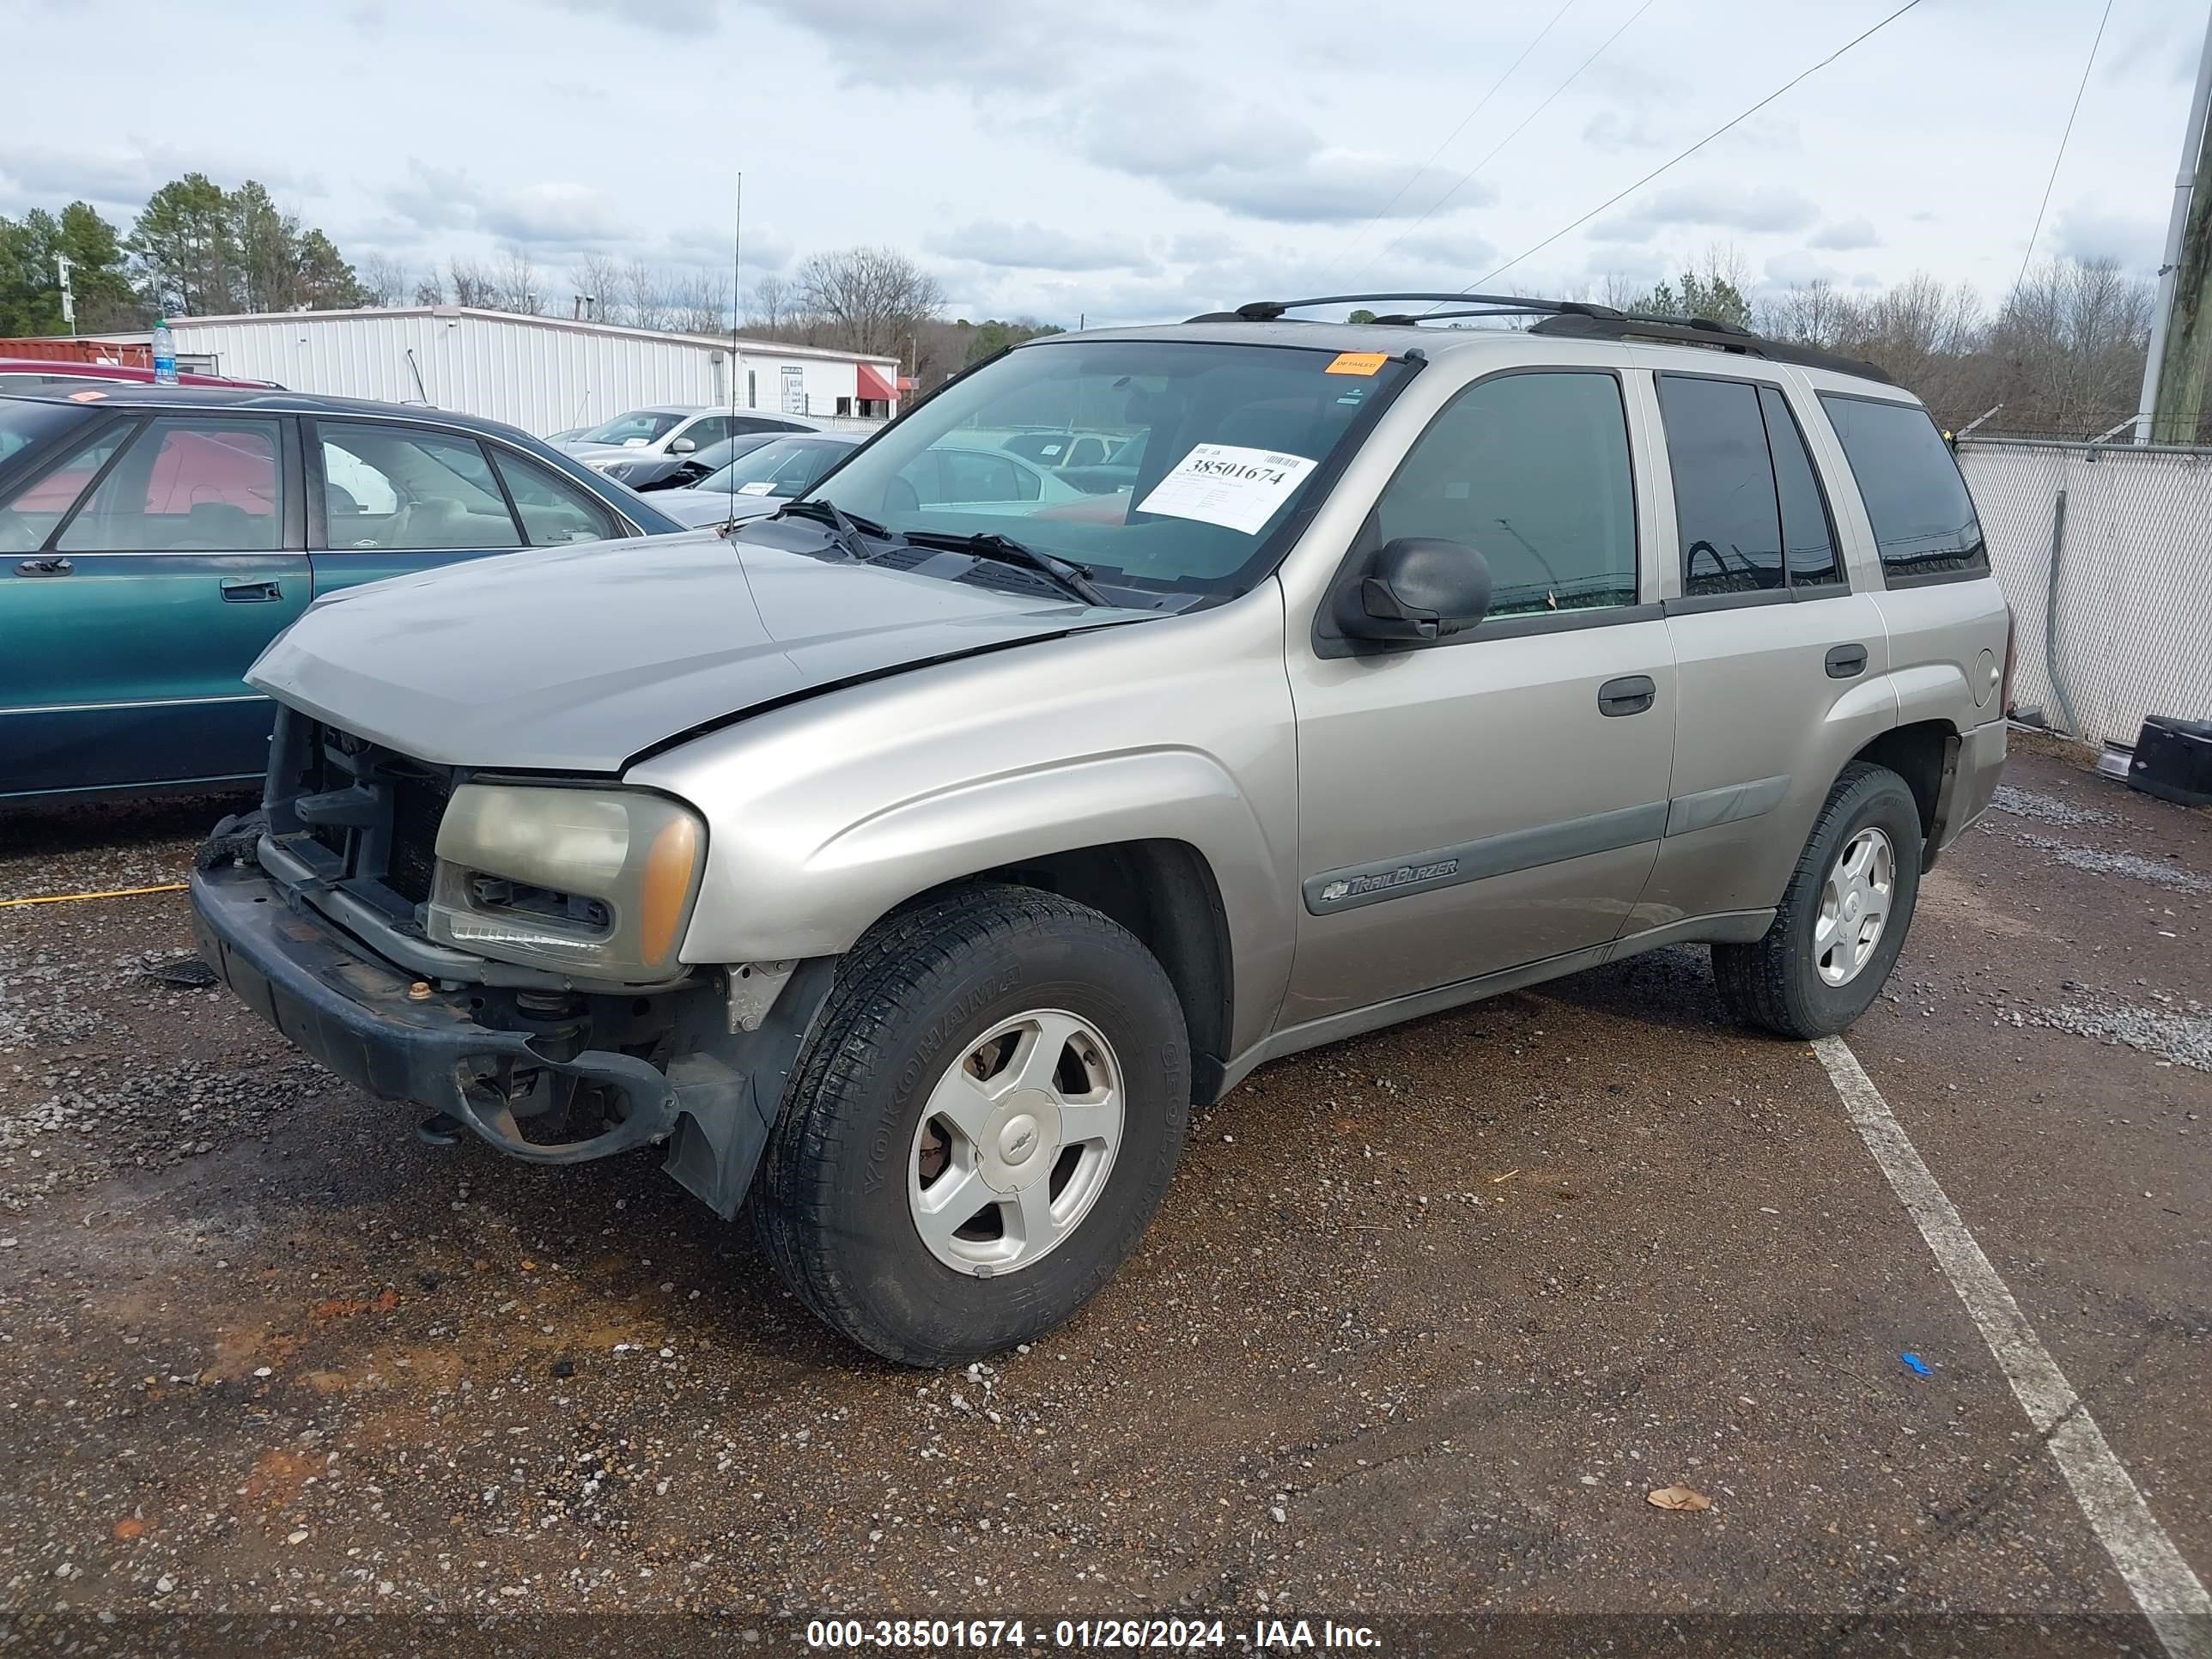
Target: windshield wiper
1005,550
844,529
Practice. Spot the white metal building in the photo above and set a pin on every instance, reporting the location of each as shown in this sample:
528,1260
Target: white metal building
544,374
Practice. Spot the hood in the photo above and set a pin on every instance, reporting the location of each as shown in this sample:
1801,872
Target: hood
577,658
705,506
591,453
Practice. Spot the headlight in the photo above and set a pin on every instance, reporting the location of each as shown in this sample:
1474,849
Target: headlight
593,881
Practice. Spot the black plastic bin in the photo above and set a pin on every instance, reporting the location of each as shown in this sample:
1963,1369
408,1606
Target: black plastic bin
2173,761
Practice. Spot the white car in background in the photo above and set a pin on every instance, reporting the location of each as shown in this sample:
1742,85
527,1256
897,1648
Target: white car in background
758,483
645,440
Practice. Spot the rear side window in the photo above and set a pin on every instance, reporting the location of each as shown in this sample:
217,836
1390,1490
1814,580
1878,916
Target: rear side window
1748,503
1532,471
1924,524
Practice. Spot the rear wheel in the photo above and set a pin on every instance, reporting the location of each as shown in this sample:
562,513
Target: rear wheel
980,1128
1843,919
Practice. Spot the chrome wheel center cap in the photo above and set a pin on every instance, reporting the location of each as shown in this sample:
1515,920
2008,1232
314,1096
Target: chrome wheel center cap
1018,1139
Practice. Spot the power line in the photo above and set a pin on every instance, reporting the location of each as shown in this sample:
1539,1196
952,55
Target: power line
1484,102
2028,252
1686,155
1509,137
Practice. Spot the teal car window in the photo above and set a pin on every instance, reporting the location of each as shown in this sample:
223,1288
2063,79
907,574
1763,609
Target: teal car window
553,508
186,483
30,515
407,489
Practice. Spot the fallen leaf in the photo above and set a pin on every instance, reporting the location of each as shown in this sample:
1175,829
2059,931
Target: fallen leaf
130,1526
1677,1497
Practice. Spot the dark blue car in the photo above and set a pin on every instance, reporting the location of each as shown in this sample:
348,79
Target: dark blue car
153,539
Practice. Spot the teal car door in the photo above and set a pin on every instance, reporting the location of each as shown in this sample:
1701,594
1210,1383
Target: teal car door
176,552
392,497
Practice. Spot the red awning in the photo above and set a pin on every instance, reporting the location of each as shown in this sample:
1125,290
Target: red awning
873,388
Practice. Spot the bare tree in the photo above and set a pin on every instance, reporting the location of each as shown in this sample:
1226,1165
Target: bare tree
599,279
769,309
383,279
517,283
472,284
700,302
430,288
645,289
868,298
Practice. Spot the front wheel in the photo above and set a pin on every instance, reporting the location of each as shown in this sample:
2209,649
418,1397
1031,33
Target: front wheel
981,1127
1843,919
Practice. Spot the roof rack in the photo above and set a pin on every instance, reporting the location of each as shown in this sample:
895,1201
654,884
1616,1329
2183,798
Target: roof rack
1573,319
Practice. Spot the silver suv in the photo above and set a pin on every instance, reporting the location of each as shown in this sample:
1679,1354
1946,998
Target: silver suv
908,863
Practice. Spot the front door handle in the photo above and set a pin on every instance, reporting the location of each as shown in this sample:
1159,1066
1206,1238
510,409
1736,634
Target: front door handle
1630,695
251,590
1846,661
44,568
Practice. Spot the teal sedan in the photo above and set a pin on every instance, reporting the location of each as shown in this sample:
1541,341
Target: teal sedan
153,539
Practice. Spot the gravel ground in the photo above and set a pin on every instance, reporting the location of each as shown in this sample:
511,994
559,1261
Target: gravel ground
1426,1317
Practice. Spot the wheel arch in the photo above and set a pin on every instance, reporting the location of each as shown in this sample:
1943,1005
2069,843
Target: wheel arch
1165,892
1924,754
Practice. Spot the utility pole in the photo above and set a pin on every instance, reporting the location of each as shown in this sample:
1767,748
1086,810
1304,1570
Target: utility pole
2177,386
63,266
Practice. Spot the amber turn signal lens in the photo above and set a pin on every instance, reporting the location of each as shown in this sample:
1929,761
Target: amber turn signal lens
665,887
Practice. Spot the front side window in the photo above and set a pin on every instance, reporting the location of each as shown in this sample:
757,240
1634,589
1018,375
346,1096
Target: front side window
1925,523
708,430
555,509
405,489
1532,471
1233,437
30,514
186,485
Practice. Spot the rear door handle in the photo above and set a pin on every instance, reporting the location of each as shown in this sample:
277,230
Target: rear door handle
251,590
44,568
1630,695
1844,661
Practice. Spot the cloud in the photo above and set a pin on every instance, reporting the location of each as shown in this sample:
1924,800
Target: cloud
972,44
125,175
1844,235
1459,250
551,214
1037,247
1612,132
1795,268
685,19
2085,231
1775,208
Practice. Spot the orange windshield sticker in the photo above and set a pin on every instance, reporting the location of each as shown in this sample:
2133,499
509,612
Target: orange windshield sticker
1357,362
86,397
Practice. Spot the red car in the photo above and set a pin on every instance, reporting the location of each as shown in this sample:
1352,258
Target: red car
43,374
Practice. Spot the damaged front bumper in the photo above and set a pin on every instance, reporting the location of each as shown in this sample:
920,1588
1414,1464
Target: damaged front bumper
712,1100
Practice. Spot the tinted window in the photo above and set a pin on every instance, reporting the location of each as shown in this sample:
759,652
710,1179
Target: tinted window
1807,540
972,476
1924,519
1531,470
553,508
707,432
186,484
1725,507
407,489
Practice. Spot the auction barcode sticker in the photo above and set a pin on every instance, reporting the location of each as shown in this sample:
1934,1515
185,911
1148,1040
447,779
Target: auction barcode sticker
1228,485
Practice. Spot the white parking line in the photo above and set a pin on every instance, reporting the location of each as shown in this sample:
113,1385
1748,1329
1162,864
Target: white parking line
2171,1596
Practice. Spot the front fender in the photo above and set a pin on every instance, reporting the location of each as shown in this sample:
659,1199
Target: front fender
825,815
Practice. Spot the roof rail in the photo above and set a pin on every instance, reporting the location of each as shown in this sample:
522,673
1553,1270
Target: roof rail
1573,319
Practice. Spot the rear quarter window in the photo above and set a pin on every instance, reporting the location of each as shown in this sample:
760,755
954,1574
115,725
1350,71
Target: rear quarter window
1924,524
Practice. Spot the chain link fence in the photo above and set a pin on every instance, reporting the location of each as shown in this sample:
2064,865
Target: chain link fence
2104,552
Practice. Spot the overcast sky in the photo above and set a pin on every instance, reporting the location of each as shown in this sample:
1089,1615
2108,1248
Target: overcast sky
1131,160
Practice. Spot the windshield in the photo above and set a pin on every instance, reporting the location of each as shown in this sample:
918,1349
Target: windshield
639,426
782,467
1201,450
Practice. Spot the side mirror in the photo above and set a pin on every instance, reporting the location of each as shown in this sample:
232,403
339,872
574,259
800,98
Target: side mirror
1421,587
681,446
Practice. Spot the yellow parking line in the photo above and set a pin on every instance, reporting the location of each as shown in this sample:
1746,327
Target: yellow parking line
71,898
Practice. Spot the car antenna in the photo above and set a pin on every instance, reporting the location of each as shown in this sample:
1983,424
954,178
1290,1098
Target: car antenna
736,296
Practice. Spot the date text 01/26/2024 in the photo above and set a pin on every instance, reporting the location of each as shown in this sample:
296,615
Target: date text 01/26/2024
1089,1635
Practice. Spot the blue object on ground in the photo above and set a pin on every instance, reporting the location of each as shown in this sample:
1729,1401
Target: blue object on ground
1916,1364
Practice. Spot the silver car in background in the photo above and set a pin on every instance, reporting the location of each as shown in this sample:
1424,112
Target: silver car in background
641,446
909,862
